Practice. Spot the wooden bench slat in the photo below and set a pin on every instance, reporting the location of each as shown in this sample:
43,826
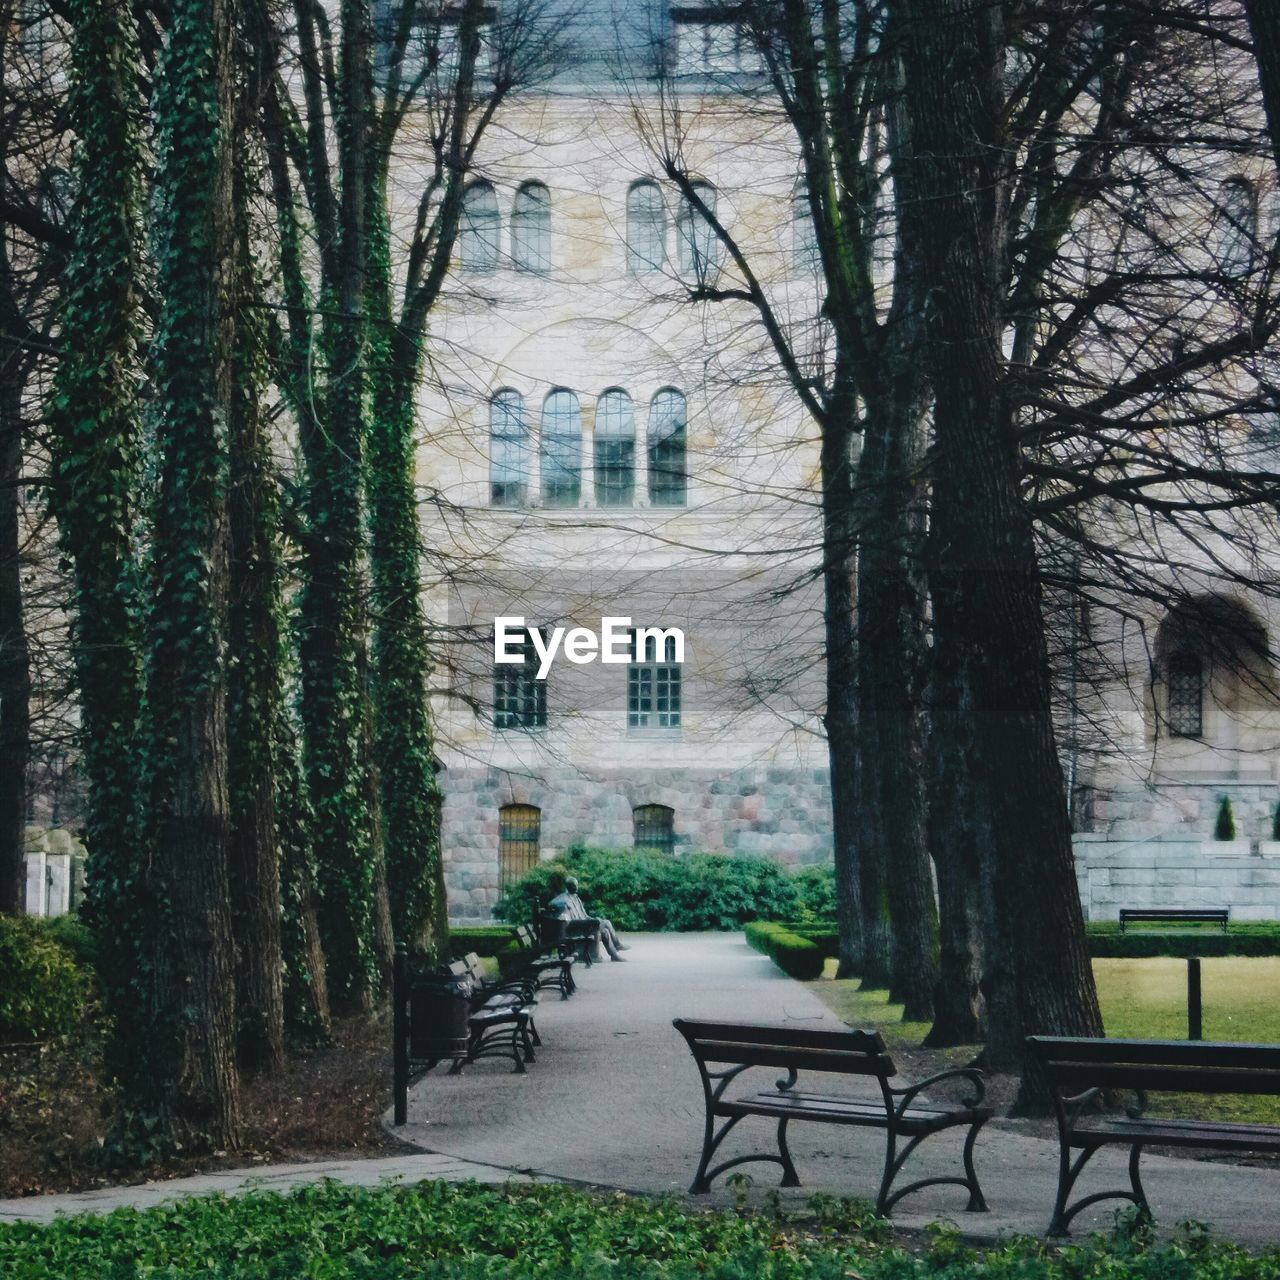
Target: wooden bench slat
1159,1079
1188,1133
1059,1049
844,1061
865,1040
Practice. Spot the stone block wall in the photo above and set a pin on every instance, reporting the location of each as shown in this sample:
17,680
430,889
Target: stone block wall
1139,811
1242,875
778,812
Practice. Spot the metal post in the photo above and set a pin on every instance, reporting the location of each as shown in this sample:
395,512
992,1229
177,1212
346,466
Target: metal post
1195,1022
400,1033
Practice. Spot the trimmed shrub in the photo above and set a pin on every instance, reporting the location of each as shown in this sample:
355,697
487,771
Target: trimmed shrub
42,990
796,956
1225,827
484,940
658,892
1107,942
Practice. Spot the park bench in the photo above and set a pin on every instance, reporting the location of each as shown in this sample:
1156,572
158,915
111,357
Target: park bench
501,1016
577,937
724,1050
548,968
1173,915
1081,1072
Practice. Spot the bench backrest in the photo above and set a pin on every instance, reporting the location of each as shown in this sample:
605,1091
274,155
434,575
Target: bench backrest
1197,1066
855,1053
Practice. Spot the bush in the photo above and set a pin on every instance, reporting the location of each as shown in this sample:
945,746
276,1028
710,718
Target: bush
817,889
796,956
1107,942
659,892
1225,827
71,932
42,990
484,940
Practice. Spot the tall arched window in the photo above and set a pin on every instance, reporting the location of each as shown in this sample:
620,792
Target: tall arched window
531,229
508,450
519,834
561,449
615,450
696,242
804,238
646,228
478,229
668,482
1238,214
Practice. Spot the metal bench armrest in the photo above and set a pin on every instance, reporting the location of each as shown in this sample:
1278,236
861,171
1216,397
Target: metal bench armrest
908,1094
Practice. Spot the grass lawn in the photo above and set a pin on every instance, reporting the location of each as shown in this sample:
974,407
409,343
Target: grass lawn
1140,998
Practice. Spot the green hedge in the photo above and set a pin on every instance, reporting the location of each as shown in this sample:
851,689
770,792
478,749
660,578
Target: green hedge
484,940
660,892
796,956
43,992
1140,942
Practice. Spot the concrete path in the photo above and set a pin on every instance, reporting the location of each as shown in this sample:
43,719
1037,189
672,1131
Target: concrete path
613,1100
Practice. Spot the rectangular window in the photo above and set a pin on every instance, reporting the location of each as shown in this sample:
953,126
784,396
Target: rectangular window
519,833
654,691
519,698
1186,696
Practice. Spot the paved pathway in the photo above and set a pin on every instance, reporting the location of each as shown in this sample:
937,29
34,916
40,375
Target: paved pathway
614,1100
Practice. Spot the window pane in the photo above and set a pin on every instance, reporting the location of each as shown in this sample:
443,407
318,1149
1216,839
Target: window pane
508,450
615,450
654,687
531,229
478,230
1238,215
646,229
654,827
696,241
1186,696
667,463
519,697
519,834
561,450
804,239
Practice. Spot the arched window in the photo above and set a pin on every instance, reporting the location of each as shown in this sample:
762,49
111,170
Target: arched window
804,238
478,229
696,242
668,482
1186,695
561,450
519,833
615,450
646,228
654,827
531,229
508,450
1238,214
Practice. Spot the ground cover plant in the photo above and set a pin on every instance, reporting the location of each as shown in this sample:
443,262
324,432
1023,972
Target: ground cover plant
1247,939
432,1229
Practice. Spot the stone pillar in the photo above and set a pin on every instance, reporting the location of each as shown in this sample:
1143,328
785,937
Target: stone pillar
37,870
58,900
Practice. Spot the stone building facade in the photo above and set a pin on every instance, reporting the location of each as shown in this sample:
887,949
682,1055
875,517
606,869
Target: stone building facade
595,446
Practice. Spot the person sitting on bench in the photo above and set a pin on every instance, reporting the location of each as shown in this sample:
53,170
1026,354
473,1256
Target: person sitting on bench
569,906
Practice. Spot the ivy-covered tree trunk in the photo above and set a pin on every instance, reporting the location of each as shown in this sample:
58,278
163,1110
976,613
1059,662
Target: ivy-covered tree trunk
986,599
255,649
94,445
401,657
15,664
197,393
333,621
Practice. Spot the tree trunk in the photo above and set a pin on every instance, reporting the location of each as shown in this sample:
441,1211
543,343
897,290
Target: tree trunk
1264,23
841,716
94,443
988,600
197,394
15,668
